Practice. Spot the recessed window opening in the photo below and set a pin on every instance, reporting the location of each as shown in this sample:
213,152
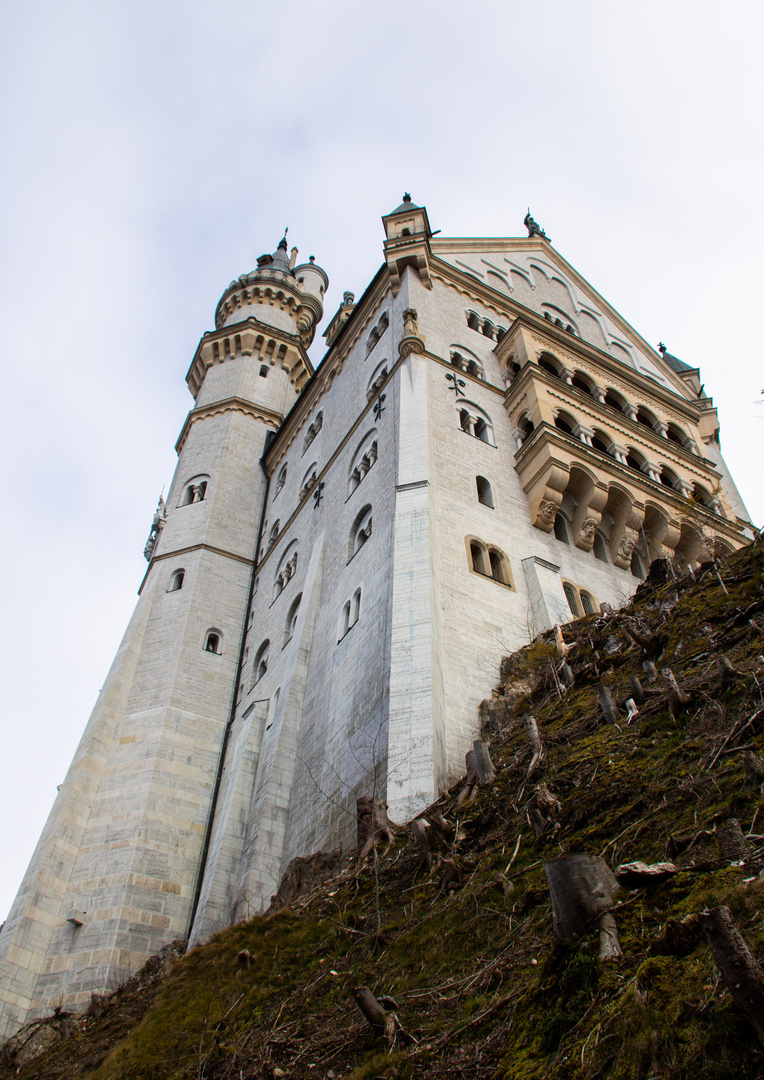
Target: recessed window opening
561,529
484,493
600,548
350,615
212,642
291,623
263,371
645,417
260,664
581,384
669,479
676,435
570,596
614,401
563,424
588,603
548,365
494,560
634,460
360,532
176,581
476,554
363,462
599,443
281,480
195,491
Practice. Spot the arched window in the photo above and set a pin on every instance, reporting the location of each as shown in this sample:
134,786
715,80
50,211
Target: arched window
465,360
274,534
377,379
475,421
644,416
309,480
572,598
360,532
701,496
260,663
263,371
291,622
351,612
550,365
286,569
194,491
281,480
363,459
176,581
582,382
634,459
489,562
675,434
615,401
313,430
588,603
600,547
601,441
563,421
669,478
212,642
561,529
484,493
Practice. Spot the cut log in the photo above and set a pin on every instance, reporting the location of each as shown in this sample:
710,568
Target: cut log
418,830
373,824
607,703
733,846
637,875
631,709
738,967
379,1018
536,744
567,676
636,690
754,768
486,774
469,781
678,700
582,888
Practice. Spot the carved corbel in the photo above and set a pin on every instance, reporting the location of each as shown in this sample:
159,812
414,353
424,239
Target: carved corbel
587,517
545,497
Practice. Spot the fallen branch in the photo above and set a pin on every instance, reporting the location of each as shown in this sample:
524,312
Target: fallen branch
739,969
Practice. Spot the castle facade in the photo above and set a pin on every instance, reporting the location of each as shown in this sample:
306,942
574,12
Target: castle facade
487,449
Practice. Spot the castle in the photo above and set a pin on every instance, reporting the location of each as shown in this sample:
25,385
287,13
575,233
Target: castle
487,449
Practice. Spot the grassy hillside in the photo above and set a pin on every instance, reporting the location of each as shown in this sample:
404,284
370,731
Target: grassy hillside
466,947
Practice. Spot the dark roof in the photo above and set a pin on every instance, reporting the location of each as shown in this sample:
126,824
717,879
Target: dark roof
674,362
407,204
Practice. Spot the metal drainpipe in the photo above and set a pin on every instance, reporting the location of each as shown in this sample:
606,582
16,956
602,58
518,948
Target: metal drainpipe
231,718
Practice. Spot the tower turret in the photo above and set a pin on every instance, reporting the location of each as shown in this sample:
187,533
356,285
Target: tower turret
284,297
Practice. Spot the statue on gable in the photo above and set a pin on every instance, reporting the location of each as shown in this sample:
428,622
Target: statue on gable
534,229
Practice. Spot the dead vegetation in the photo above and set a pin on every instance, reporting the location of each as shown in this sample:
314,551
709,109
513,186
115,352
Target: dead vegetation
436,954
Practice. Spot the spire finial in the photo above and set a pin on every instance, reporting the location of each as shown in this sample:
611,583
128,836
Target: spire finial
406,197
283,241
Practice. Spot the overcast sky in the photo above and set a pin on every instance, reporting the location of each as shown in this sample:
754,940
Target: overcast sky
151,151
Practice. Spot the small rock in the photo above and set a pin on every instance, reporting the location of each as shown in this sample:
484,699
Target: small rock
637,875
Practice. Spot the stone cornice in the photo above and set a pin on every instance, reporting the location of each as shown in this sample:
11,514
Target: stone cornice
193,547
246,337
233,404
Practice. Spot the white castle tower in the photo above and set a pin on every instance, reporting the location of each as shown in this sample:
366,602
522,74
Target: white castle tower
487,448
115,872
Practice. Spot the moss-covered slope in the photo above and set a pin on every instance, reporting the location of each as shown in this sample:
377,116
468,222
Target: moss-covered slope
466,949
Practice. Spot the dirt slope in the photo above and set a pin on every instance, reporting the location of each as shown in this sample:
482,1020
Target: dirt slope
466,947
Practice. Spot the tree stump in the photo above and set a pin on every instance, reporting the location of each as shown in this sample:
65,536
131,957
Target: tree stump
469,781
607,703
678,700
418,830
446,828
754,768
732,844
486,774
636,690
738,967
373,824
566,673
582,888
